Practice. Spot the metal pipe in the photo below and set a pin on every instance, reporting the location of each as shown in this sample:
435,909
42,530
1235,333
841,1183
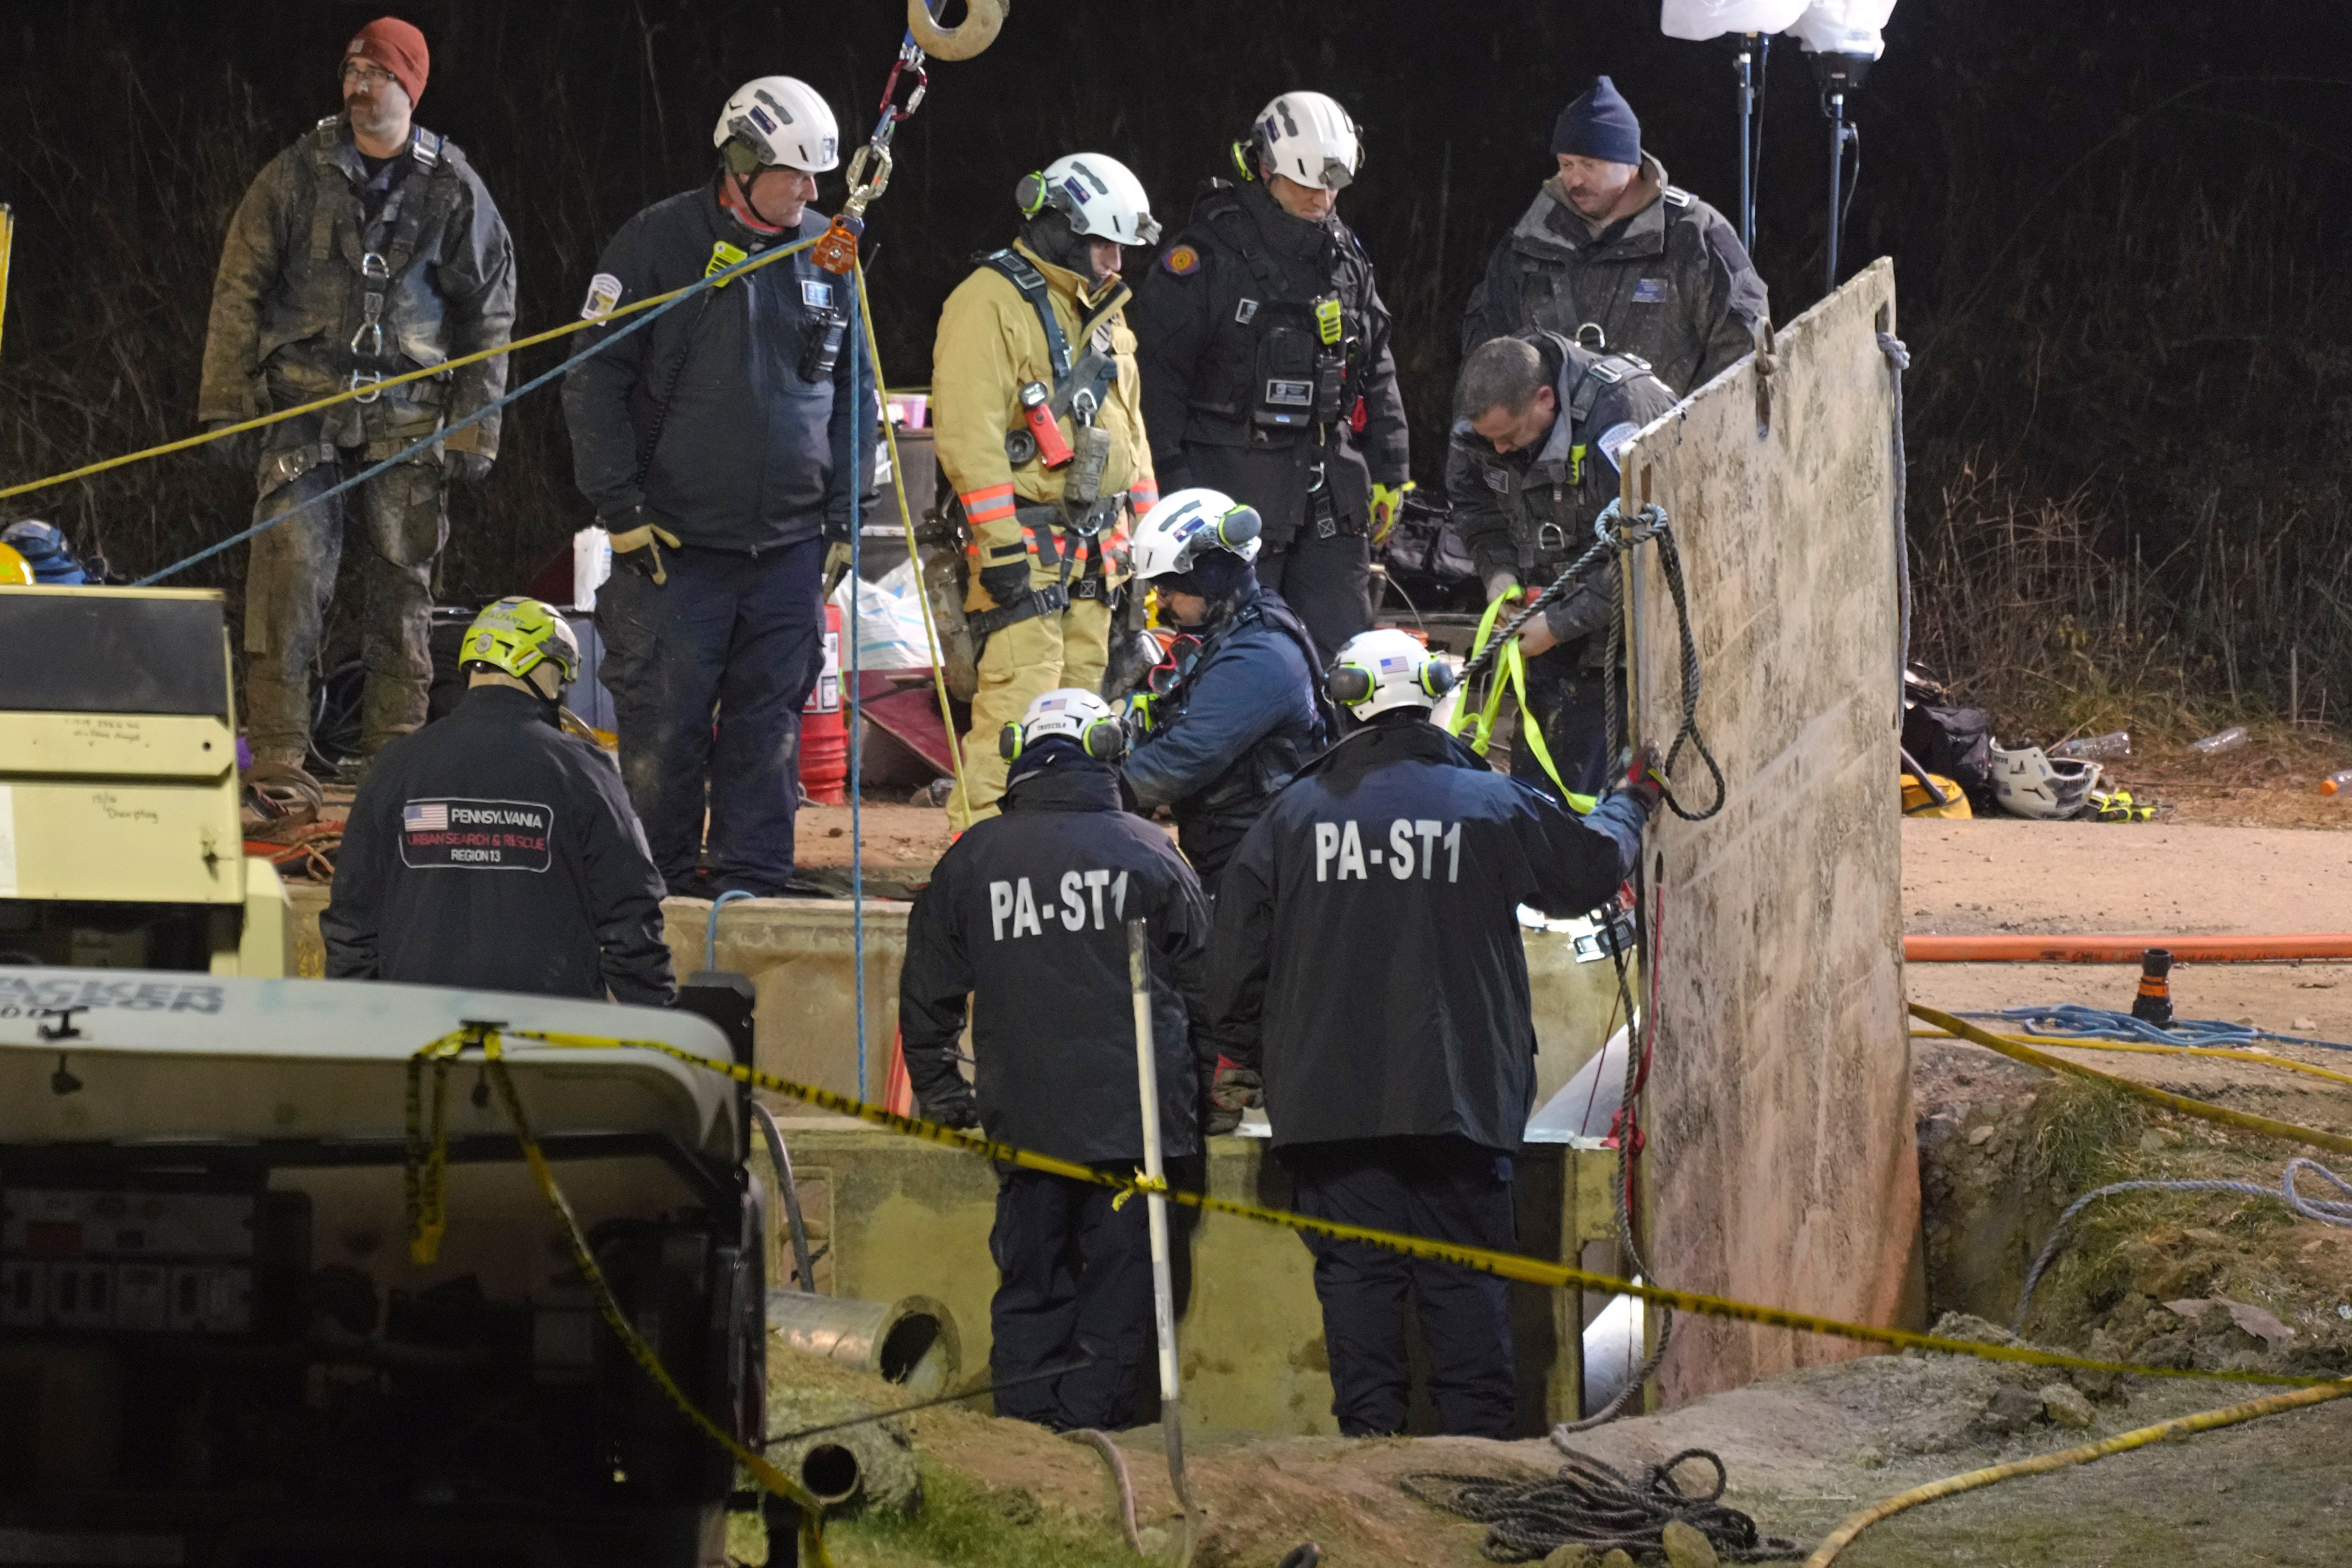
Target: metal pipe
2120,949
1163,1290
911,1342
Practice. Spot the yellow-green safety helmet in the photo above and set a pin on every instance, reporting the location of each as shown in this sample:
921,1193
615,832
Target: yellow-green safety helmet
16,571
514,635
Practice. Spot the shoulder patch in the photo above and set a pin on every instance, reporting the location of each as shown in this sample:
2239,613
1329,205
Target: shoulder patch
1183,260
1677,197
603,293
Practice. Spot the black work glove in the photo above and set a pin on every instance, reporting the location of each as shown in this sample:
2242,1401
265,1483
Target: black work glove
1234,1090
470,469
1006,583
638,542
238,453
960,1112
1642,779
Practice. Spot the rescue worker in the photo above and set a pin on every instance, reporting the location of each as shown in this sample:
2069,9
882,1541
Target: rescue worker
1540,425
1367,964
1234,712
715,447
43,545
1266,369
367,250
1026,915
492,851
1037,423
1611,256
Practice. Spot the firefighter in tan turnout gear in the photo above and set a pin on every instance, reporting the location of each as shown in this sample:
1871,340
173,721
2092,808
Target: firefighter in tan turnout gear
1038,424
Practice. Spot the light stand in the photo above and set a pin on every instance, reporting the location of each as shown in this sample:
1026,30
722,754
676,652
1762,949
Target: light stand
1839,74
1750,51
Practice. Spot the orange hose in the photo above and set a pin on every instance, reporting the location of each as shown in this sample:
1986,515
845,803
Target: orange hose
2119,948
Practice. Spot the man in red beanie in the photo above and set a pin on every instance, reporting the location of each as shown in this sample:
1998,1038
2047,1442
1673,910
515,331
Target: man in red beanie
367,250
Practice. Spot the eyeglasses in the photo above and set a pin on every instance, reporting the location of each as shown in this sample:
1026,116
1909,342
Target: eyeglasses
367,75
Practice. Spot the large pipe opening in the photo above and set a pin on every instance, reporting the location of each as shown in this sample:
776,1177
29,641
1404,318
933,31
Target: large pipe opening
830,1472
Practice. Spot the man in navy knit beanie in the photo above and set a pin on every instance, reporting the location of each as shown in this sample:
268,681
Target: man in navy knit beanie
1610,256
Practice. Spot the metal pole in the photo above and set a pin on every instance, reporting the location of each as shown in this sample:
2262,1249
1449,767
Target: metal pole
1837,181
1746,137
1163,1290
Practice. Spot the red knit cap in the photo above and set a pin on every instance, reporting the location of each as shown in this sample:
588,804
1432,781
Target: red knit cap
398,48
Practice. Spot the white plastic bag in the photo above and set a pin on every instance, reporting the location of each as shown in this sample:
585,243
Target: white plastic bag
890,619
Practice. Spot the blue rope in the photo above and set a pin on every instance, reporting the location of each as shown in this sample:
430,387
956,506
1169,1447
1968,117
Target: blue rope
850,707
644,319
710,940
2101,1023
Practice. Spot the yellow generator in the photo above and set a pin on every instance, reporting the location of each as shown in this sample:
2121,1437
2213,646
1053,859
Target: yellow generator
122,841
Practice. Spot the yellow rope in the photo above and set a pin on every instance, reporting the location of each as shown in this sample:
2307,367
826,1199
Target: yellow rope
372,388
2150,1048
1837,1540
2245,1121
922,589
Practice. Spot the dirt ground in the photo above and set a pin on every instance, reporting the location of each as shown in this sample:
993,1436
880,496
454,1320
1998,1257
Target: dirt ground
2004,1148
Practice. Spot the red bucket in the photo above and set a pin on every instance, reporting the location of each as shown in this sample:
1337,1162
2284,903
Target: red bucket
824,740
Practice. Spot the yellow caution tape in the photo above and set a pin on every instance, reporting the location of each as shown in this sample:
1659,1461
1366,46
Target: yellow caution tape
1502,1265
766,1473
2150,1048
373,388
427,1170
2182,1103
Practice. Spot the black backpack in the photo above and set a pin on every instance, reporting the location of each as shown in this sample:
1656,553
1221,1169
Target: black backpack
1954,741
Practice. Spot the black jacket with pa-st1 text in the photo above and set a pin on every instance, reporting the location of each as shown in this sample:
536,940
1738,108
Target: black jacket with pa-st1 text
1027,915
1367,960
492,851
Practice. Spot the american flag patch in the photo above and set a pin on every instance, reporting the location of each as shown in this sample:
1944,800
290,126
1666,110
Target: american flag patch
432,817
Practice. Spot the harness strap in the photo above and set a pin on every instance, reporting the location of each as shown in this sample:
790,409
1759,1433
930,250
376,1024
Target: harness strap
1513,674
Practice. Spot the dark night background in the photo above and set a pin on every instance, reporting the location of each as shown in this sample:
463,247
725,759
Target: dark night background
2118,234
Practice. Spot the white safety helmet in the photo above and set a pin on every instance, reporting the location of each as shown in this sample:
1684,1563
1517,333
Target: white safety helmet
783,123
1099,194
1173,534
1072,713
1385,669
2029,783
1308,137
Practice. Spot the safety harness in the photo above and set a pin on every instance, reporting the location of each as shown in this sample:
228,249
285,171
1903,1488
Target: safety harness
1078,391
401,220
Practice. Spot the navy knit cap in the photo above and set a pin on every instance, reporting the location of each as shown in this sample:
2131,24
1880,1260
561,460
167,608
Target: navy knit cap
1213,574
1600,124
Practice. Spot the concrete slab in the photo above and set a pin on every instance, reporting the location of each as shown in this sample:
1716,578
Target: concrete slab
1781,1167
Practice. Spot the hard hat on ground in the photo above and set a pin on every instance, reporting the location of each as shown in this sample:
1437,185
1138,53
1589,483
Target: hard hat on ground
514,636
16,571
1308,138
1183,527
1099,195
774,122
1070,713
2027,783
1384,668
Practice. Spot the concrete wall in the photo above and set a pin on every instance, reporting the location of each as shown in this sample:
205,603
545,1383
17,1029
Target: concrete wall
901,1217
1780,1166
798,952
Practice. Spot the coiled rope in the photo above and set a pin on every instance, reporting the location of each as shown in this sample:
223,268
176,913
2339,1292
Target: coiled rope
2103,1023
1591,1504
2334,1211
